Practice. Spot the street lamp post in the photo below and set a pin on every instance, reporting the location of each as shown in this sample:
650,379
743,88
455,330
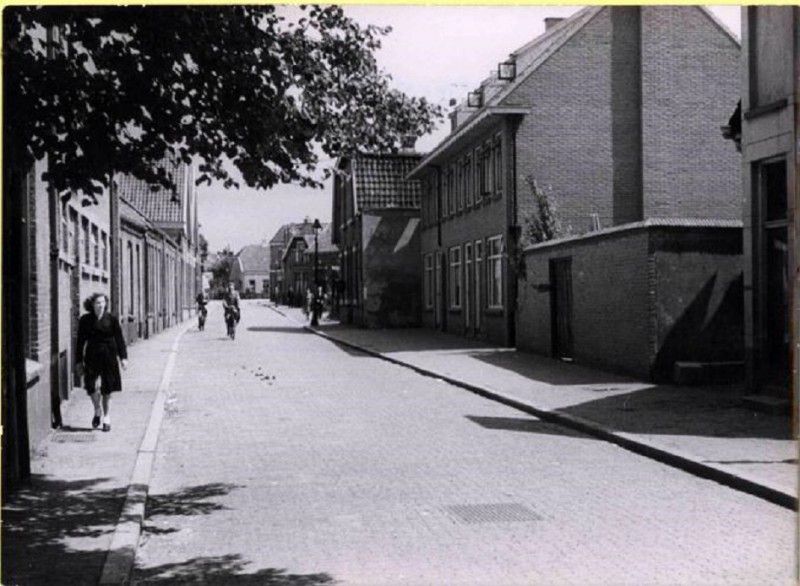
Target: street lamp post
314,298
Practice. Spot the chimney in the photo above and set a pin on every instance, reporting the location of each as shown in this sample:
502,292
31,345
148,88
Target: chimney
550,22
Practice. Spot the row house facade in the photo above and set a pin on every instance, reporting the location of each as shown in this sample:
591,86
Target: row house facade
376,229
250,271
277,248
167,267
57,252
309,259
769,133
613,113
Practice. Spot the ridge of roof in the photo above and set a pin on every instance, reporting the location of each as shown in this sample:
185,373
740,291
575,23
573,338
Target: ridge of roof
532,55
720,24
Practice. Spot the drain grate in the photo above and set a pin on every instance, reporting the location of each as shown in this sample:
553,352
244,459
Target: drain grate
65,437
492,513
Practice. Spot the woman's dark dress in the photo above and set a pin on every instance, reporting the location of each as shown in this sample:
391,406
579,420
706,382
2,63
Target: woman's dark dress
103,344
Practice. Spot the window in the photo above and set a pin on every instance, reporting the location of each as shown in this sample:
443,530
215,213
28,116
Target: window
252,285
460,195
95,247
104,242
455,277
495,271
486,177
467,179
497,166
86,242
427,280
451,192
63,214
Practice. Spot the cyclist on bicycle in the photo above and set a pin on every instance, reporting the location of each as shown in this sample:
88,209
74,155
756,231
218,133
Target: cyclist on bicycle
230,303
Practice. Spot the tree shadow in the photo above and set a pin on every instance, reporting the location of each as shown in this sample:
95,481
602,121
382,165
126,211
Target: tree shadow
223,570
189,501
40,520
58,531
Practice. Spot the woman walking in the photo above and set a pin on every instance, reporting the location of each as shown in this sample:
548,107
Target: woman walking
100,344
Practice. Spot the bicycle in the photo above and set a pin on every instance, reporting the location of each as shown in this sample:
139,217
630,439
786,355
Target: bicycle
202,313
231,317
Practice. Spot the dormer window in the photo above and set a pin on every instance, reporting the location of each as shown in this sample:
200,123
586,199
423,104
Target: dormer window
507,70
475,99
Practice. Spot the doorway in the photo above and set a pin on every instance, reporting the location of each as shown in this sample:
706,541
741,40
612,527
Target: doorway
561,307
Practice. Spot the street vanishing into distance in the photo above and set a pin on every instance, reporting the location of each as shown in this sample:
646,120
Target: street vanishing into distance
286,459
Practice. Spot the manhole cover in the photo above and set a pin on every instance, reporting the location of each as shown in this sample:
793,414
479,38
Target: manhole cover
63,437
491,513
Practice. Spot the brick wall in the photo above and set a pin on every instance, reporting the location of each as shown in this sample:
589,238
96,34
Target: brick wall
625,146
610,300
565,142
643,297
39,313
690,86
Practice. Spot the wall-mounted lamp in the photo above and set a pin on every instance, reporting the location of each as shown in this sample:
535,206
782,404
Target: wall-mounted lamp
507,70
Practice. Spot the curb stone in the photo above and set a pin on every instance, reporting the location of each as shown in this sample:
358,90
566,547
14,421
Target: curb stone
121,556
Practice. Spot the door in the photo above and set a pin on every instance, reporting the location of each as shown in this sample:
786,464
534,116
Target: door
776,349
469,297
561,307
478,284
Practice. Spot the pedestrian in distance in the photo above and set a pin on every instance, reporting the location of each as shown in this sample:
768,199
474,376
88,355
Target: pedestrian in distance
202,310
100,353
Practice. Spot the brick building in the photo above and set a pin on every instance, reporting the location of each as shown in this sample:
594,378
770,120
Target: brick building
614,112
376,228
277,247
309,258
56,253
174,276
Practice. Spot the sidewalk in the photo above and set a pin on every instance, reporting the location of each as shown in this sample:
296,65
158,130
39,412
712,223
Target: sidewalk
703,430
84,482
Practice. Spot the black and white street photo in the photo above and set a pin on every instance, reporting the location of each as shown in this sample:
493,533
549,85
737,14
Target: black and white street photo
400,295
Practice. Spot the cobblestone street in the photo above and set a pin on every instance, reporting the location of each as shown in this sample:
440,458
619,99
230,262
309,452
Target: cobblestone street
286,459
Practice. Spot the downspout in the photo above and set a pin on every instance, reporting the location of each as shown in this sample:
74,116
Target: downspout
114,229
512,245
55,376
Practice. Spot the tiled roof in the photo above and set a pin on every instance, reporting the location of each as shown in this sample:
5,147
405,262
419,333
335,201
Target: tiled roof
160,205
254,258
379,181
130,214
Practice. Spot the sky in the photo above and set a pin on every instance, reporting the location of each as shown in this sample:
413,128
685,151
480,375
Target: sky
439,52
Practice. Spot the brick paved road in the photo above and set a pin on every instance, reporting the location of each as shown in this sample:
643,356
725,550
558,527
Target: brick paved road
285,459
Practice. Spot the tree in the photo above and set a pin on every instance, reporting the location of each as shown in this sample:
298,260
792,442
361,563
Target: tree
104,89
542,223
221,271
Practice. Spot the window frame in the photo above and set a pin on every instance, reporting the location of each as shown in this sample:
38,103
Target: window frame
495,274
455,270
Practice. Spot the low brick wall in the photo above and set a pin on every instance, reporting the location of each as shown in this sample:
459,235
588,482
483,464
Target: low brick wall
644,296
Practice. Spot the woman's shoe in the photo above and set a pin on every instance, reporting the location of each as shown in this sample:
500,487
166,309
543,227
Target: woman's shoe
106,427
96,421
